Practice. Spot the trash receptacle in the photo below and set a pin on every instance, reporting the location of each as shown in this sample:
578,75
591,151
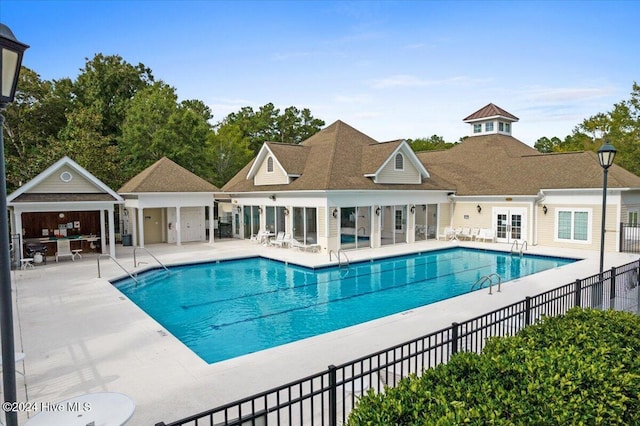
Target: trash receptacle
126,240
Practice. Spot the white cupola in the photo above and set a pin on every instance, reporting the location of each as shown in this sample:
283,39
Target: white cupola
490,119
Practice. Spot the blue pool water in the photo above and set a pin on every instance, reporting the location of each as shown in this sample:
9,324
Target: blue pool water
231,308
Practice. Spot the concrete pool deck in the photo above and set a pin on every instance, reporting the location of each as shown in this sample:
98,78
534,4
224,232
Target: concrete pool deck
81,335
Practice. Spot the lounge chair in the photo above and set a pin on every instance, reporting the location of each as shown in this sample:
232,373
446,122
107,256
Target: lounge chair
304,247
486,234
63,249
281,240
465,234
474,233
447,234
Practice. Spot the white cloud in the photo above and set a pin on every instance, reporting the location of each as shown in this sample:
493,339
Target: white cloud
565,94
406,80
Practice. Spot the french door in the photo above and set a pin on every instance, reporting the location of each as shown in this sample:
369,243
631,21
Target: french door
510,224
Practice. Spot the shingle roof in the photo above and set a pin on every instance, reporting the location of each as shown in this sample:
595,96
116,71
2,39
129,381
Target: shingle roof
490,110
335,158
39,197
502,165
166,176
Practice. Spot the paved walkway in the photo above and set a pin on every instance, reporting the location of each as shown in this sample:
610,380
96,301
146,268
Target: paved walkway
82,335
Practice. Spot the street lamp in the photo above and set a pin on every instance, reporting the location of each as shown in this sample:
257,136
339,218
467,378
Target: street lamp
10,62
606,154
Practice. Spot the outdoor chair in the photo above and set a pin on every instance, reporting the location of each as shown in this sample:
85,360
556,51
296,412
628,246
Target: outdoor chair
285,240
278,240
63,249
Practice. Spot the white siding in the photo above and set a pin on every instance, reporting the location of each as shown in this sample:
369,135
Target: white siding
277,177
54,184
389,174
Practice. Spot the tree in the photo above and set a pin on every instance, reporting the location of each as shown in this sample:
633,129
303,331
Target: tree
106,84
32,122
228,151
546,145
620,126
432,143
268,125
155,126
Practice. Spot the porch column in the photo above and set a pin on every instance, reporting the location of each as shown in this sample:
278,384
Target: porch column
178,227
16,220
112,233
211,223
140,227
103,232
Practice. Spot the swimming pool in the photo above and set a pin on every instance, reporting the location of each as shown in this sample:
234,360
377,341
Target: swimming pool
225,309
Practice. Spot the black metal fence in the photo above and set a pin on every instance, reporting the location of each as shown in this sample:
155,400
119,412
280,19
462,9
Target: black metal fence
629,238
326,398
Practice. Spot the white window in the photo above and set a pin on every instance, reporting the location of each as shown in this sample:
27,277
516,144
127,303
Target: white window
477,128
501,126
270,165
507,127
399,162
632,218
488,127
573,225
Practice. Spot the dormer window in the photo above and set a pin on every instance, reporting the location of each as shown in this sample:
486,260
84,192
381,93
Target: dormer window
399,162
270,165
477,128
488,127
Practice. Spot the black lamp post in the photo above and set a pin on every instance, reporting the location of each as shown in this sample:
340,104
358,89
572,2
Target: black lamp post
606,154
11,51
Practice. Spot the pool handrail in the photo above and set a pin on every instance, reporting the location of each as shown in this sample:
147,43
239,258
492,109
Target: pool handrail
117,263
135,264
489,278
338,256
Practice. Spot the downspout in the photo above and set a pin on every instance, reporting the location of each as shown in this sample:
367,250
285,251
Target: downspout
538,200
452,202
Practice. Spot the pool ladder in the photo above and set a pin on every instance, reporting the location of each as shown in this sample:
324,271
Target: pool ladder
488,278
516,249
339,255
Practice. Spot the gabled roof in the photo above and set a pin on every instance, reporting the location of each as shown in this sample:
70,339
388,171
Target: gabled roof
376,156
101,191
288,157
166,176
490,111
336,158
502,165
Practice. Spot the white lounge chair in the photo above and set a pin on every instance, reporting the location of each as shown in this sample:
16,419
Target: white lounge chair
278,241
486,234
465,234
304,247
474,233
63,249
447,234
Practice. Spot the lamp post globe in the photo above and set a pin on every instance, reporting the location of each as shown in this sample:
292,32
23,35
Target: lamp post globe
11,52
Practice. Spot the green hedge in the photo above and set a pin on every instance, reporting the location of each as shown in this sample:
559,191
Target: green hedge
579,369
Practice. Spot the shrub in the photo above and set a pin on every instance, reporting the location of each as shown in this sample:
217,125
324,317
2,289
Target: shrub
579,369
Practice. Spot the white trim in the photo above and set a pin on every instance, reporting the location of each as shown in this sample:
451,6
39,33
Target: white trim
408,152
262,154
573,210
54,168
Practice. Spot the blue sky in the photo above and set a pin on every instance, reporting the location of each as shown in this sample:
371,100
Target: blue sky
390,69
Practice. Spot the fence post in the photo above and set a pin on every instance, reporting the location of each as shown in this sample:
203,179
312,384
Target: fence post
527,312
578,293
454,338
636,277
612,288
333,396
621,247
